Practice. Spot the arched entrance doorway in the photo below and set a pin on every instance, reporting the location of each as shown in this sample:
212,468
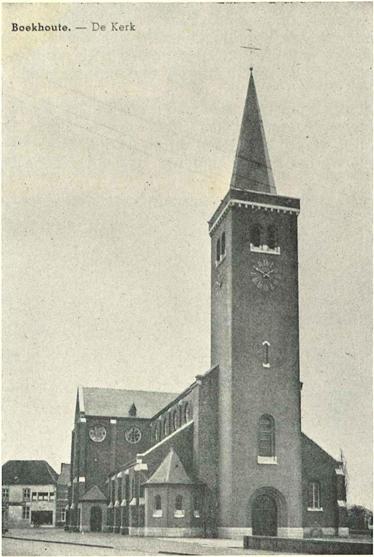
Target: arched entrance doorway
264,516
95,519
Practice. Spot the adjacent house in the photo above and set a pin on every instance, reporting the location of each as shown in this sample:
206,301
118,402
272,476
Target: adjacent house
62,494
28,493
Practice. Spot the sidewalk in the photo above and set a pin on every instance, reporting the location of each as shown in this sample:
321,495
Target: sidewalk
115,543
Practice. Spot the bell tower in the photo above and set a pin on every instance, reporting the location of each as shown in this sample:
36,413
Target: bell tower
255,342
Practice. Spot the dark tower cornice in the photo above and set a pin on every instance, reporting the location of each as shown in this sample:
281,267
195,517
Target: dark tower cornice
252,169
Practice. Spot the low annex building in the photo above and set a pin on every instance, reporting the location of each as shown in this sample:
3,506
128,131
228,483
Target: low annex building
227,456
28,493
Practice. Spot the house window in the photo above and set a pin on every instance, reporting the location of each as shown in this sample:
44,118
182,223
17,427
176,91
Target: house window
51,496
272,239
63,515
179,512
218,250
256,236
25,513
43,496
34,496
266,437
265,353
26,493
314,496
5,493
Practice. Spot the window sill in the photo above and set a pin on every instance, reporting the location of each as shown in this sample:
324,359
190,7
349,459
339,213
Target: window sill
179,514
157,514
267,460
315,509
265,249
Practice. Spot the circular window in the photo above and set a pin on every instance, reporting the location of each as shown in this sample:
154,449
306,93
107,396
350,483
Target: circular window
133,435
97,433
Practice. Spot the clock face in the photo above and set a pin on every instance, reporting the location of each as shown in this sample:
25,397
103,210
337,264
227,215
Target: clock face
97,433
265,275
133,435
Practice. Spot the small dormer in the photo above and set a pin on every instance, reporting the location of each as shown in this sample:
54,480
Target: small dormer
132,410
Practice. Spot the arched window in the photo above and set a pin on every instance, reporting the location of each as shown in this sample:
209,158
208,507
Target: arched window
179,503
157,431
272,237
196,506
157,502
166,427
256,235
266,436
175,419
133,488
265,353
223,244
218,250
187,412
314,495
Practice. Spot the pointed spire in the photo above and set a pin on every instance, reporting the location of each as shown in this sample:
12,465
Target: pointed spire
252,168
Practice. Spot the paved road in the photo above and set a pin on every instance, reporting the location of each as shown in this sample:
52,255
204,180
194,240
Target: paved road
57,542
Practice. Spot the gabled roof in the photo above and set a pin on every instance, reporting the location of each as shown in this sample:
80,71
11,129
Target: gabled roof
96,401
252,168
28,472
64,477
170,471
93,494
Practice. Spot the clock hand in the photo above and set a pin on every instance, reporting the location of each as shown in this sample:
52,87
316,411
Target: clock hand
259,270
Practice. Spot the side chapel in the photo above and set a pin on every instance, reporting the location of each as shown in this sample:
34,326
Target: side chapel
227,456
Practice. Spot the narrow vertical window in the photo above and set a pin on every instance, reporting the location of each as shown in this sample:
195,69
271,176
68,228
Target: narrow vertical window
158,502
265,353
179,511
266,436
256,236
218,250
223,244
314,495
196,506
272,239
157,510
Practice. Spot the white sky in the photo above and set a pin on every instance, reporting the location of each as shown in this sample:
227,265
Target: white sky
117,149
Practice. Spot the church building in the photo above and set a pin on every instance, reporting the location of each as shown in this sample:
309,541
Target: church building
227,456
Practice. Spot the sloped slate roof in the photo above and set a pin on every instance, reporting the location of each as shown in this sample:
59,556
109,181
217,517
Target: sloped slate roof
64,477
93,494
252,168
28,472
117,402
170,471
